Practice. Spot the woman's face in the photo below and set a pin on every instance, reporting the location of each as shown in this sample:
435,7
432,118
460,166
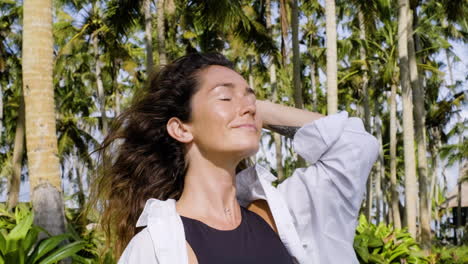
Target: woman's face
224,120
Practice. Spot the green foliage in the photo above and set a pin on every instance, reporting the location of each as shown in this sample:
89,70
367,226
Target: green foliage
450,255
383,244
21,243
81,229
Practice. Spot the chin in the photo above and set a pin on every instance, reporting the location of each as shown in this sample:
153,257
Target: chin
248,151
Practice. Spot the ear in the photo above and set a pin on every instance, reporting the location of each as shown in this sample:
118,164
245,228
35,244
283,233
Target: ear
178,130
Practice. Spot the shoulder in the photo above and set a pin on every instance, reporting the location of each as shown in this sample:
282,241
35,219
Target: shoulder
139,250
261,209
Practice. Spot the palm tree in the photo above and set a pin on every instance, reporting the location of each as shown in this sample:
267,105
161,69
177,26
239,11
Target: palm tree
411,190
315,55
383,44
364,7
41,139
380,165
161,34
274,97
148,35
107,48
393,157
365,78
17,162
298,101
11,99
418,100
332,68
284,31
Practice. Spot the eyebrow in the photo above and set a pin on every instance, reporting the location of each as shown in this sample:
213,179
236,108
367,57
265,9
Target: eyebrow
231,85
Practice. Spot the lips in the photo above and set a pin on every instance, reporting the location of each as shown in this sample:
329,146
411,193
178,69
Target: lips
247,126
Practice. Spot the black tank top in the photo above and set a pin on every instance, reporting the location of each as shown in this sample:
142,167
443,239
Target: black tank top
253,241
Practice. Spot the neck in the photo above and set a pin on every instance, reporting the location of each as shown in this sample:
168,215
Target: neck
210,191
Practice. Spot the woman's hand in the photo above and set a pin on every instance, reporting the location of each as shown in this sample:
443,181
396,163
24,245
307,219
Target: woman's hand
283,119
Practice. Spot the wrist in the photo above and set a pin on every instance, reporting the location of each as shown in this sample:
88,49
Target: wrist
261,112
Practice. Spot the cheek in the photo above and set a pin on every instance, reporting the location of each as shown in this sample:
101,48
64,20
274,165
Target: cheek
211,120
217,115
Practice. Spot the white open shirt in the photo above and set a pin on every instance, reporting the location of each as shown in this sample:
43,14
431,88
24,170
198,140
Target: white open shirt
315,209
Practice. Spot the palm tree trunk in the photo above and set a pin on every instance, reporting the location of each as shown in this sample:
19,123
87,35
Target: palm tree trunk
276,137
366,112
298,101
388,202
15,180
435,167
437,218
41,137
390,212
274,97
75,167
313,85
268,16
420,117
370,195
1,114
115,86
332,67
317,85
462,172
393,162
365,79
161,34
117,103
99,84
252,85
380,172
458,236
284,32
148,36
411,189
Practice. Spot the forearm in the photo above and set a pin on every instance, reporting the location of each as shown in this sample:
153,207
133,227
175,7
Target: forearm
284,119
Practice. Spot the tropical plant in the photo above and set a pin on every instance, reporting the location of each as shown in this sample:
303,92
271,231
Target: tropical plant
449,255
21,241
87,231
382,244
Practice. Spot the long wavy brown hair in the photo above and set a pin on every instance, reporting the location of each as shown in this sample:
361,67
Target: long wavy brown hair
138,159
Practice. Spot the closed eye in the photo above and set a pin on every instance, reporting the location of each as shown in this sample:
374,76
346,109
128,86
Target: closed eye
225,99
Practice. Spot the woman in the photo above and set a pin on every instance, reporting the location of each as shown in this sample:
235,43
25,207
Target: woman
172,184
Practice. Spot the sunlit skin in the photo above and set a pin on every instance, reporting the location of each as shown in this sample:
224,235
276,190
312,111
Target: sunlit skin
224,124
225,128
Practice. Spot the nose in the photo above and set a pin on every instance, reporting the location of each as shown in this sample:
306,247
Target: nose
249,106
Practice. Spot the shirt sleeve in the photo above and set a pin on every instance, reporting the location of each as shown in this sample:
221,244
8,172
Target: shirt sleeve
343,149
139,250
324,198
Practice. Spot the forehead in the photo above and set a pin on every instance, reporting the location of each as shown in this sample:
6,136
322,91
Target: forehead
216,74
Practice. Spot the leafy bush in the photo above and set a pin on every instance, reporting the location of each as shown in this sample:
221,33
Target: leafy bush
20,242
84,229
450,255
383,244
